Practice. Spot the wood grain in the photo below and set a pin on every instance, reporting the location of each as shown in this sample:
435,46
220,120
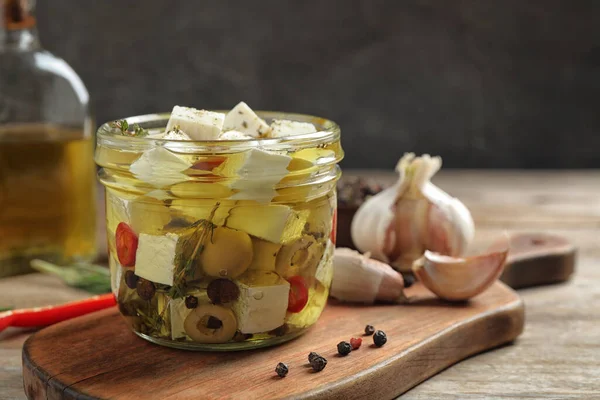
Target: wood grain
424,338
558,354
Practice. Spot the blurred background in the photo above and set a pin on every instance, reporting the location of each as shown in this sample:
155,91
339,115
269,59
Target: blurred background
484,84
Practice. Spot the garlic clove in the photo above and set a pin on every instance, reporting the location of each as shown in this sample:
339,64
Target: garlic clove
456,279
358,278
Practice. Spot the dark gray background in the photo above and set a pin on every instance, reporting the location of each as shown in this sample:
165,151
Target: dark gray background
489,83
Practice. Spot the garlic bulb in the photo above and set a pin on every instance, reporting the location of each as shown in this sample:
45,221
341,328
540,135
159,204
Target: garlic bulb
358,278
398,224
452,278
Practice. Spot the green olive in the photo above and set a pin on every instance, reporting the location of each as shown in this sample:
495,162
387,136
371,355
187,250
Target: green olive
210,323
300,257
227,253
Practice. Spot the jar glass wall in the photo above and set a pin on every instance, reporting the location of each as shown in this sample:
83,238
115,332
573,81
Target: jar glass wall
220,245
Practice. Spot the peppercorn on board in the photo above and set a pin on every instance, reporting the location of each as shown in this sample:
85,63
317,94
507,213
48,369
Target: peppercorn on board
423,338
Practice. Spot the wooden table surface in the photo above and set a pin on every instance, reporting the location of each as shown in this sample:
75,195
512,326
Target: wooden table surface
558,355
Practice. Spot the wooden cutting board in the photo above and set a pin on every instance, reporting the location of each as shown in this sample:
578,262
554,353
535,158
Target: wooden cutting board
538,259
96,356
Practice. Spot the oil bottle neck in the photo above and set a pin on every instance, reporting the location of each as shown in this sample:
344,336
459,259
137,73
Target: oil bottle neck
18,31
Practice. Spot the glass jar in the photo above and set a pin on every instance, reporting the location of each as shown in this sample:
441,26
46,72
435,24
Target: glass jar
220,245
47,187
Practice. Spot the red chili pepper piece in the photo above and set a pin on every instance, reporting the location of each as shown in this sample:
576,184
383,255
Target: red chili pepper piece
127,242
44,316
355,343
333,235
298,296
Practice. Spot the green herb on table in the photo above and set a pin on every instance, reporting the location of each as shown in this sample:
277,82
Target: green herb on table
89,277
3,309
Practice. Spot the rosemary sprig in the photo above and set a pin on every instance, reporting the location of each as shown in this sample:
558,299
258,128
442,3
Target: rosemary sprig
185,263
152,320
89,277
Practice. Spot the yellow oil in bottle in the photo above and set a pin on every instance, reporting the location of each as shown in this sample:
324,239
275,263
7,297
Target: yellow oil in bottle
47,196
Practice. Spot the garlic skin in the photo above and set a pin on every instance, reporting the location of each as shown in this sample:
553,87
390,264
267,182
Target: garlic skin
360,279
458,279
398,224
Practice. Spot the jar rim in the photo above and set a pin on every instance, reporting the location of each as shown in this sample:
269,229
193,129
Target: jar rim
327,132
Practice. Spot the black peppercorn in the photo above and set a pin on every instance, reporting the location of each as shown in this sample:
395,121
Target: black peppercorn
145,289
318,363
281,369
344,348
240,337
369,329
379,338
409,280
222,291
191,302
280,330
312,355
131,279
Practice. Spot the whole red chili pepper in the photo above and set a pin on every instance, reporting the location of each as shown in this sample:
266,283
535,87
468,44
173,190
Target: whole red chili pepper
48,315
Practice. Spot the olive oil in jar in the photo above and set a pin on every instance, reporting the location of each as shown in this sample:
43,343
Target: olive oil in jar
47,196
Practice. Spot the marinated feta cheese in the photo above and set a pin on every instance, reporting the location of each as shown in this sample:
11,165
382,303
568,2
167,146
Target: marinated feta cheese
258,172
159,167
234,135
197,124
148,215
324,273
178,313
117,207
262,303
284,127
158,194
176,134
241,118
197,209
274,223
155,257
116,271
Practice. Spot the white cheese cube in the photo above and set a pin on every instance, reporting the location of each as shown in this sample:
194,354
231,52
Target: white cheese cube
284,127
234,135
274,223
159,167
158,194
176,134
259,171
155,257
241,118
117,210
178,313
324,273
262,303
197,124
198,209
116,272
